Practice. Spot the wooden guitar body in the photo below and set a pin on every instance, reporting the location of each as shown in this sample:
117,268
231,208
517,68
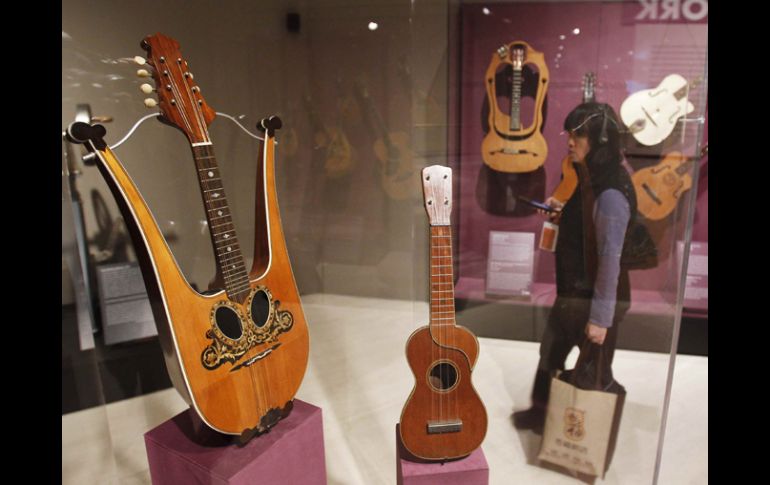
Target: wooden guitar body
508,145
511,155
427,403
210,370
659,188
239,355
568,182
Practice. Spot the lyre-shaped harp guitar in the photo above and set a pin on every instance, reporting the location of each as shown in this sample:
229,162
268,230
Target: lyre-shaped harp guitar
236,356
509,146
444,417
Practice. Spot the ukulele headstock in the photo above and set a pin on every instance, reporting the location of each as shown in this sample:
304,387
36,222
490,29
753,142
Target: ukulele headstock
437,191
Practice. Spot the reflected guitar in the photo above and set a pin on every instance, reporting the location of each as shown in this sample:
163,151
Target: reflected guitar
652,114
392,150
337,152
237,356
659,188
443,417
508,146
569,178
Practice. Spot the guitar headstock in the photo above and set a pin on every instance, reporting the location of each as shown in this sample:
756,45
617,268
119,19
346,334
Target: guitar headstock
437,191
589,85
179,97
517,57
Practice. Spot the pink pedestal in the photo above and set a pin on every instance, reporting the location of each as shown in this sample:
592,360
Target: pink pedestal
183,450
471,470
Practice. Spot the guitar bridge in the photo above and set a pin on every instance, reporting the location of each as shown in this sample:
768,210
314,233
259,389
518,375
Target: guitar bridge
439,427
513,151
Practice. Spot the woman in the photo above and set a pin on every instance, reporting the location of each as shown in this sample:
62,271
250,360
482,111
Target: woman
593,291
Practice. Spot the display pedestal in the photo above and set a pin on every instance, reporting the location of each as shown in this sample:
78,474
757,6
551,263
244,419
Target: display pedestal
184,450
471,470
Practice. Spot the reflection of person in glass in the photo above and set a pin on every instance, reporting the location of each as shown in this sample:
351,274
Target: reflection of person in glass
593,291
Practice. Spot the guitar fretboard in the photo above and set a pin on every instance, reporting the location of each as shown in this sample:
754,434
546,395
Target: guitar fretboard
226,246
516,100
442,296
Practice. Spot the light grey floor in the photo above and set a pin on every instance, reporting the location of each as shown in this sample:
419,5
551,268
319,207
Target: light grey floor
359,376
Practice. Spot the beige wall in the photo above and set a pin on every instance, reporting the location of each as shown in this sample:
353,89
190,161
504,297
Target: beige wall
344,236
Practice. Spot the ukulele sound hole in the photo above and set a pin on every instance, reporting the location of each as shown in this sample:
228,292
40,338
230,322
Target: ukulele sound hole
260,308
228,322
442,376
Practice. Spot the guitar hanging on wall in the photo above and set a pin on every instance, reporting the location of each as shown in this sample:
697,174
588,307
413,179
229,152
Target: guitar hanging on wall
652,114
444,417
569,178
508,146
659,188
236,356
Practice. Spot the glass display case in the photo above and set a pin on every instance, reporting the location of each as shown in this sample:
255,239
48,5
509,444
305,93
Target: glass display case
369,94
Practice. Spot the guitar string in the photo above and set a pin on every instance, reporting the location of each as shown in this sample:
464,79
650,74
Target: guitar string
433,407
453,395
434,399
258,374
494,108
208,151
178,95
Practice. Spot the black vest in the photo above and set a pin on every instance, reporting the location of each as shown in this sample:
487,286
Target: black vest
572,279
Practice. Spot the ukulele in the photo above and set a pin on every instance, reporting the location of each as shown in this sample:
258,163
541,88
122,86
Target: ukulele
659,188
508,146
569,178
391,149
236,356
652,114
444,417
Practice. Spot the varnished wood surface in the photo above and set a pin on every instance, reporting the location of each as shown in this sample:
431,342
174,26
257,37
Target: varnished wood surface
528,138
568,182
230,402
425,404
665,183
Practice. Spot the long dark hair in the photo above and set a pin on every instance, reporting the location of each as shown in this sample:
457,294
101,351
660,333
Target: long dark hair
600,124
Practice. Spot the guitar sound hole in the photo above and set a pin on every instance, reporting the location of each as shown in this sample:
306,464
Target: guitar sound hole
228,322
442,376
260,308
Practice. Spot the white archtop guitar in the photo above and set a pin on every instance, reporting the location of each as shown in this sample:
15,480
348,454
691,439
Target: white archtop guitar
651,114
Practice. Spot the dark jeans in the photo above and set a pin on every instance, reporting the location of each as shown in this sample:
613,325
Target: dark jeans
564,330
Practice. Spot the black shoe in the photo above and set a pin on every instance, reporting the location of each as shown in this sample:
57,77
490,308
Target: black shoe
532,418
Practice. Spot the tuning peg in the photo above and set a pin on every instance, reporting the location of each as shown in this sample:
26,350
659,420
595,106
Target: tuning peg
143,73
140,60
146,88
150,103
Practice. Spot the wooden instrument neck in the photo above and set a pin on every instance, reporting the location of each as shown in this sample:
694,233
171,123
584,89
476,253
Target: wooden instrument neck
227,249
442,303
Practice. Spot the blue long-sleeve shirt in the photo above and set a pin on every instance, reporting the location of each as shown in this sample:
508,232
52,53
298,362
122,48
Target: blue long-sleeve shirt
611,215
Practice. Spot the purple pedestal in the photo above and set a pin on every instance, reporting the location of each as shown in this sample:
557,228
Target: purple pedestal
471,470
183,450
